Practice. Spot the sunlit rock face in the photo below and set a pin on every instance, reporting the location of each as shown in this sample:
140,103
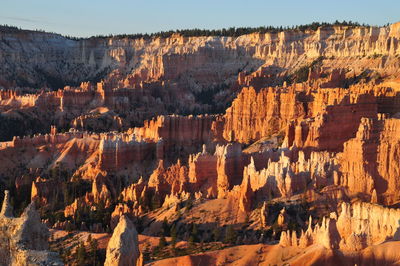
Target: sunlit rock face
123,247
133,80
356,227
136,60
290,136
369,160
24,239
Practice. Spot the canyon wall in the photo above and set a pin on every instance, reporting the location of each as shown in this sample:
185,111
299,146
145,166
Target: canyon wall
150,59
368,161
133,80
357,226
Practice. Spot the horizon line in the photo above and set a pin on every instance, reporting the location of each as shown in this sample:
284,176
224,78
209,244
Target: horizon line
156,33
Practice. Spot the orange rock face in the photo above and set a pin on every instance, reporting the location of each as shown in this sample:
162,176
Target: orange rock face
368,160
203,173
357,226
254,115
43,191
212,141
117,154
178,129
308,115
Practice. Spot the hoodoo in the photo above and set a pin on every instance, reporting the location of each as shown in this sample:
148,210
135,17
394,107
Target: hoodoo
241,146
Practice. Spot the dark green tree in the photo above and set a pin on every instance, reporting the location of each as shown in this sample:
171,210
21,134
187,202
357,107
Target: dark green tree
155,202
189,204
165,227
173,235
230,235
93,246
216,234
195,232
66,254
80,254
162,243
191,241
146,252
69,227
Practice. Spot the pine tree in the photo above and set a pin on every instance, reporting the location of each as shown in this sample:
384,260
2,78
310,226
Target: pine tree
66,254
155,202
162,243
146,252
89,238
191,241
173,235
165,227
80,254
189,204
195,233
216,234
93,246
69,227
230,235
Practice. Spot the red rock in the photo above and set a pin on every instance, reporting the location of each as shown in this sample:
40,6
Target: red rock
255,115
203,173
230,165
246,195
368,160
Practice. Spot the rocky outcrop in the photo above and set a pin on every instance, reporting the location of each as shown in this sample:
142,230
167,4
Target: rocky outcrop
289,173
6,208
43,192
321,132
134,192
358,226
368,160
230,165
263,215
325,234
312,114
246,194
118,153
71,209
168,181
176,55
203,173
254,115
282,217
179,129
24,240
100,193
143,78
123,246
374,223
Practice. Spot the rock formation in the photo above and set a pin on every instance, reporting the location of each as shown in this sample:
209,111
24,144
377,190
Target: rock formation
24,240
264,214
177,55
123,247
367,160
230,164
358,226
312,130
203,173
245,198
6,209
254,115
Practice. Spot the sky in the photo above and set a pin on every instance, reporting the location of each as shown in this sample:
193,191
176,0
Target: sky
84,18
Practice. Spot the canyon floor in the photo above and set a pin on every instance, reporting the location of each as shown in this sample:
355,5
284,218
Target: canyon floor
262,148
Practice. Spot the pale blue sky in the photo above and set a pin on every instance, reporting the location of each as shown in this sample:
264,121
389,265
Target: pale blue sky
92,17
